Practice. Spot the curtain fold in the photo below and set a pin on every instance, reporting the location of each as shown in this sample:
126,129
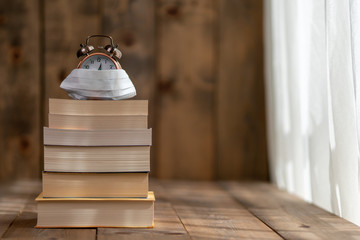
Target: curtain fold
313,96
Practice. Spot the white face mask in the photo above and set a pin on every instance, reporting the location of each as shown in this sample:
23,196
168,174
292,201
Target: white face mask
83,84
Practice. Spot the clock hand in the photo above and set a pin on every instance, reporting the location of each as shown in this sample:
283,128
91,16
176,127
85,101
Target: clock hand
99,67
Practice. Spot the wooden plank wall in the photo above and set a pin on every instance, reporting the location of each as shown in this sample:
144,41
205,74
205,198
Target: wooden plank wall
186,84
20,89
199,62
240,89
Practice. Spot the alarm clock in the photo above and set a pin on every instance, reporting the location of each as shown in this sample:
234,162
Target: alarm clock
99,75
106,60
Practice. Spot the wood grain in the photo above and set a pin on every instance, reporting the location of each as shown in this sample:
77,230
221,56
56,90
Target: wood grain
20,90
289,215
198,62
132,25
191,210
240,111
186,64
209,212
13,199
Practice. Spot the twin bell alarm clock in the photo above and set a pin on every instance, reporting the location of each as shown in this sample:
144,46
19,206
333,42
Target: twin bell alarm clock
98,60
99,74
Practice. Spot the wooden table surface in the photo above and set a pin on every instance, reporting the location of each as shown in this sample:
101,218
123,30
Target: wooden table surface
191,210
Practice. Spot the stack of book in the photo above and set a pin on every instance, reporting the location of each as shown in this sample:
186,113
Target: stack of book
96,165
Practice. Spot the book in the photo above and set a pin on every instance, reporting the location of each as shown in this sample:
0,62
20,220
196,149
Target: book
95,212
95,184
108,137
96,107
97,159
82,122
97,163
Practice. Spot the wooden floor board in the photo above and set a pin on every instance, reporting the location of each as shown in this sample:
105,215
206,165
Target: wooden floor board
209,212
187,210
13,198
288,215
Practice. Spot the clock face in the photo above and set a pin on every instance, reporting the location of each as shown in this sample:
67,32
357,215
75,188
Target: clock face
98,61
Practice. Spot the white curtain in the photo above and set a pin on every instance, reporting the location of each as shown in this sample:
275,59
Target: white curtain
313,100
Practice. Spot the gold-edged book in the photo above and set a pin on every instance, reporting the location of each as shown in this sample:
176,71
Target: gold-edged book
57,184
95,212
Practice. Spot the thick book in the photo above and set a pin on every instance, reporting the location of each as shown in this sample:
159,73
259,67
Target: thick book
95,184
82,122
108,137
95,212
97,159
97,107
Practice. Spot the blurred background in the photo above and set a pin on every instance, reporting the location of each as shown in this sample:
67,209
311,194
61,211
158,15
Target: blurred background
198,62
